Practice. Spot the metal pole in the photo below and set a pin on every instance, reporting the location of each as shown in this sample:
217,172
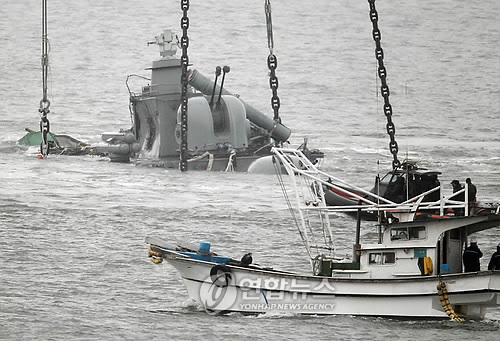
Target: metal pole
357,245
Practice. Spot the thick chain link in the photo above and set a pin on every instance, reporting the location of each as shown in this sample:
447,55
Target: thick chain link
44,103
184,84
272,63
384,88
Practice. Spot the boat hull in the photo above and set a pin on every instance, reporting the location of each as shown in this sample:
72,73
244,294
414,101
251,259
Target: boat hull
251,290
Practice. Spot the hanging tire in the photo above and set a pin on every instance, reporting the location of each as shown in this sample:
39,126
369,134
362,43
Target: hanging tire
221,275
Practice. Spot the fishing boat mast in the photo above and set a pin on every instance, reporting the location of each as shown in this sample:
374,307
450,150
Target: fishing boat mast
44,103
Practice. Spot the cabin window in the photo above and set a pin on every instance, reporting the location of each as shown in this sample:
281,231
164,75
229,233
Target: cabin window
392,186
417,232
399,234
408,233
382,258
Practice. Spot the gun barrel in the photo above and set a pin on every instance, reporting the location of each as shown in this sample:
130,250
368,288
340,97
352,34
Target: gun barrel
278,131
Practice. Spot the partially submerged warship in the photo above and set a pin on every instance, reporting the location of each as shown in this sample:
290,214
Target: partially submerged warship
180,117
224,132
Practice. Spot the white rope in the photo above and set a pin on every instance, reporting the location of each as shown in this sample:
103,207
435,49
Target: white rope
205,154
230,167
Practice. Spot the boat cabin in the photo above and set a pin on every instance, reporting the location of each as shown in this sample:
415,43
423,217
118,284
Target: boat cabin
416,248
407,182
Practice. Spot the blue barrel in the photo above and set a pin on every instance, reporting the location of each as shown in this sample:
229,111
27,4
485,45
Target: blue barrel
204,247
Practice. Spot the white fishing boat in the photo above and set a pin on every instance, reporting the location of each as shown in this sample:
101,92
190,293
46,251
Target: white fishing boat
414,270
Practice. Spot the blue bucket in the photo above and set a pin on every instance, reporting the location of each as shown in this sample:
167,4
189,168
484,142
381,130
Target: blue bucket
204,247
445,268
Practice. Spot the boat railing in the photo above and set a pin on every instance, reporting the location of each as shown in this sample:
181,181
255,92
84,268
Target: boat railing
411,206
131,93
296,163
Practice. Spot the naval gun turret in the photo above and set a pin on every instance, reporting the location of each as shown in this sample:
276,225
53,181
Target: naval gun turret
224,132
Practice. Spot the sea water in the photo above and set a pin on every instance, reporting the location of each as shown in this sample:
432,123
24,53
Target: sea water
73,262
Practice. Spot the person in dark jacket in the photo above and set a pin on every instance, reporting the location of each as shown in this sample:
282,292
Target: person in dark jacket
472,190
471,257
495,260
433,182
457,186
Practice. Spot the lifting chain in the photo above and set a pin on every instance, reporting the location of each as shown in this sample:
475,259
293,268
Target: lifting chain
384,88
184,84
272,63
44,103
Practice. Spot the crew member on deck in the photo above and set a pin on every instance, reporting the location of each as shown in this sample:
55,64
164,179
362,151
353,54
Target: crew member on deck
495,260
433,182
457,186
471,257
472,190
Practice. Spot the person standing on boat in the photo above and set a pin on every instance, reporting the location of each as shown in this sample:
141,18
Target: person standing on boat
495,260
433,182
471,257
457,186
472,190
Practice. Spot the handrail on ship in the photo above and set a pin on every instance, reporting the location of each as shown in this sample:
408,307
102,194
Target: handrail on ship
306,168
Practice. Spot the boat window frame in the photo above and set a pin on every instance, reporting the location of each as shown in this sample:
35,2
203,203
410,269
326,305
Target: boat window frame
385,258
408,233
391,176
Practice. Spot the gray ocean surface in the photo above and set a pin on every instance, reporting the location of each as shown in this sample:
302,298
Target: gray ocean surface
73,262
